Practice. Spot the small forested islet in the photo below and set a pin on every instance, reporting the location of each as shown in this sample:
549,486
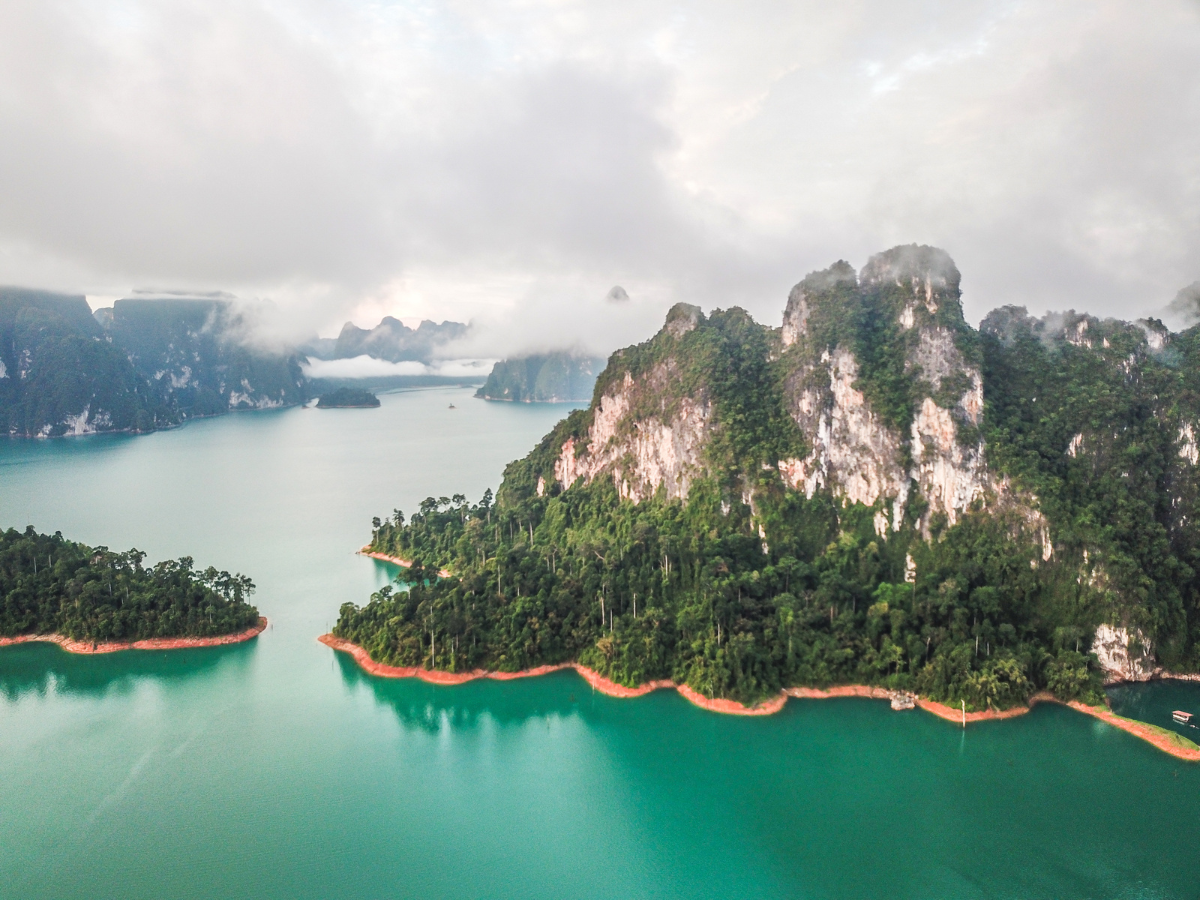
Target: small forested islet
53,586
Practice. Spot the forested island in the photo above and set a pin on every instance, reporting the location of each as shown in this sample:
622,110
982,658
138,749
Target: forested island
54,587
561,377
874,493
347,398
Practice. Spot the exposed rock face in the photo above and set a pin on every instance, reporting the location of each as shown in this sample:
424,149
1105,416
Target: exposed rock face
1118,659
1187,444
682,318
855,454
640,454
948,475
195,353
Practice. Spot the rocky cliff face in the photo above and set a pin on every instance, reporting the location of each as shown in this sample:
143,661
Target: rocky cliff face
855,455
909,296
642,450
1123,656
193,354
560,377
58,375
141,365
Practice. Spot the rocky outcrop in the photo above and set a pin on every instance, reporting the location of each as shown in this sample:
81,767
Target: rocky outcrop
1188,449
949,476
818,284
559,377
855,451
1124,656
856,454
640,454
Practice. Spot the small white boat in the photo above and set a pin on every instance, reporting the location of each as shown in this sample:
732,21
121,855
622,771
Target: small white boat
1183,718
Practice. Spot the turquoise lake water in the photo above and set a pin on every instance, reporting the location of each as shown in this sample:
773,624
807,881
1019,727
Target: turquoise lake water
276,769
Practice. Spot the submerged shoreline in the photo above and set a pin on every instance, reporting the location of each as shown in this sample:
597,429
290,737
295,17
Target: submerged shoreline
395,560
1161,738
90,647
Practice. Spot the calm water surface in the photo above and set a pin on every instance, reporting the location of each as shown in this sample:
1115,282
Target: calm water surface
276,769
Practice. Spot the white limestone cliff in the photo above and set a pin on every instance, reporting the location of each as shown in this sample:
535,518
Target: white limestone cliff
641,455
854,453
1123,656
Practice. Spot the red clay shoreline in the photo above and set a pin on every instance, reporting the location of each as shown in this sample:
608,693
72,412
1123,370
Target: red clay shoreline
766,708
89,647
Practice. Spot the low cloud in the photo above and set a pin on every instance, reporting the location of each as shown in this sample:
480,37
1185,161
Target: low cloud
370,367
509,163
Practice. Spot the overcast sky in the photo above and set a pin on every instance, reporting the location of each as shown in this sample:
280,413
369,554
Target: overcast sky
512,162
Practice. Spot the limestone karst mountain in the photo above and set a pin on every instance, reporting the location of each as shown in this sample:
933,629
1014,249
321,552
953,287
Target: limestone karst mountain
196,356
561,377
140,365
390,340
874,479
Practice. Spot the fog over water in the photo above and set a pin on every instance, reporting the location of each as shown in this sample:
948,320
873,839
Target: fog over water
511,162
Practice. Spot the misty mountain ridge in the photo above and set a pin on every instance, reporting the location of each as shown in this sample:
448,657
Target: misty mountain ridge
390,340
137,366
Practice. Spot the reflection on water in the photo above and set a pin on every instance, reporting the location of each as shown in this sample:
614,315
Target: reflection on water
41,668
432,708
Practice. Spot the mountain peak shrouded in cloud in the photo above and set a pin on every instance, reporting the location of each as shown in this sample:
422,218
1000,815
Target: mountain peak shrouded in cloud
1185,308
394,341
617,294
486,161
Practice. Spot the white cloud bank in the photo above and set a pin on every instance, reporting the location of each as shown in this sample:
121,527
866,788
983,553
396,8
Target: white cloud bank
370,367
512,161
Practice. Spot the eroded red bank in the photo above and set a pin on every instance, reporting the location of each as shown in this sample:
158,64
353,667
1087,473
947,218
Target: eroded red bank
73,646
732,707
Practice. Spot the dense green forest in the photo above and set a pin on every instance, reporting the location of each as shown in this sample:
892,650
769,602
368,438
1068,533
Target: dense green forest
749,585
347,397
49,584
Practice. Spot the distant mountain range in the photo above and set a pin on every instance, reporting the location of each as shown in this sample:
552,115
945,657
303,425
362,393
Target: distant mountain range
141,365
561,377
145,364
390,340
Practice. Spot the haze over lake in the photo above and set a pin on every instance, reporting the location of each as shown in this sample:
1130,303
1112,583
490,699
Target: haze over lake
277,769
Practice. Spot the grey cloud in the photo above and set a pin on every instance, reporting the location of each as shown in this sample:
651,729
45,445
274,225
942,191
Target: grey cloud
509,162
